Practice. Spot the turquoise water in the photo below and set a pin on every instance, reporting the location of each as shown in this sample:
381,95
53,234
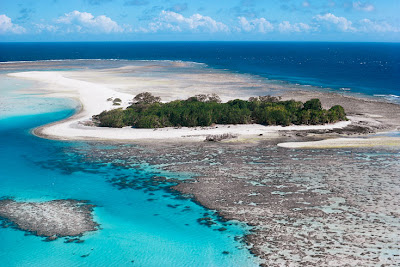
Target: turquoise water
138,227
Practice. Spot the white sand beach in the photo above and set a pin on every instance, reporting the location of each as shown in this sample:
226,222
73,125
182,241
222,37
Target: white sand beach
93,98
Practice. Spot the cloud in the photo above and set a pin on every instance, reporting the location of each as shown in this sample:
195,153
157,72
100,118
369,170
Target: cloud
172,21
341,23
285,26
364,25
136,2
363,6
84,22
6,26
45,27
367,25
260,25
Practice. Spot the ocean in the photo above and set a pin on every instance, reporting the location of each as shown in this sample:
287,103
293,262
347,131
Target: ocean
367,68
151,226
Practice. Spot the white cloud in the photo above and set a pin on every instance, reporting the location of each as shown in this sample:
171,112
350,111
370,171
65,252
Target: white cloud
45,27
363,6
7,26
367,25
341,23
172,21
285,26
85,22
261,25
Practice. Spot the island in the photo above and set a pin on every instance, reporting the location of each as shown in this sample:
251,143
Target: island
113,89
147,111
304,206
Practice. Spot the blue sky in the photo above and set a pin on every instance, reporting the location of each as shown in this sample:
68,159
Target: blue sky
219,20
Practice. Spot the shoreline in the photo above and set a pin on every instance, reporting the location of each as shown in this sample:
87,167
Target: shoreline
257,200
93,96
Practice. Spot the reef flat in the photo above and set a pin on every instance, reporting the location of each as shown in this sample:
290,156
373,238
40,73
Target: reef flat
96,89
52,219
307,207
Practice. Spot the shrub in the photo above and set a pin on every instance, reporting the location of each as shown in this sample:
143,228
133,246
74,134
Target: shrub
146,98
314,104
112,118
205,110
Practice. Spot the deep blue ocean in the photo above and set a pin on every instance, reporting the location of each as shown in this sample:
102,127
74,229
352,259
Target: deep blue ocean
150,233
368,68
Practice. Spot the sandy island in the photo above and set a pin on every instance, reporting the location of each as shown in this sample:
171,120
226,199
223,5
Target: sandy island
307,208
93,88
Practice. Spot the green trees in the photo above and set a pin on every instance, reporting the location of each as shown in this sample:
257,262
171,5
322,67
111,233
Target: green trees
314,104
205,98
146,98
336,113
205,110
112,118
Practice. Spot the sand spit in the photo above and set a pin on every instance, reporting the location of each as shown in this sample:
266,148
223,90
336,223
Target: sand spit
93,97
53,219
93,87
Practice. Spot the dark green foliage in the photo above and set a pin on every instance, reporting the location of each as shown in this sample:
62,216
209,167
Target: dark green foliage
112,118
266,98
205,98
336,113
205,110
146,98
314,104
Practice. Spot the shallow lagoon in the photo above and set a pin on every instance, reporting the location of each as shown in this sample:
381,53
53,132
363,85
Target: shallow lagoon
138,227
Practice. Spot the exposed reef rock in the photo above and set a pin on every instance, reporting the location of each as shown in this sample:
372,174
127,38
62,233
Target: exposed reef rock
51,219
333,207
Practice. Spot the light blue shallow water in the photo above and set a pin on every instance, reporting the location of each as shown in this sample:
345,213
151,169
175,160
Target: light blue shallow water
134,231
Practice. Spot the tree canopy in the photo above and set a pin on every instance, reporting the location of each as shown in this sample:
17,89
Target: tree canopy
204,110
146,98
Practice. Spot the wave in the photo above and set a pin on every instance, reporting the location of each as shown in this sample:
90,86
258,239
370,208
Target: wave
105,59
57,60
390,97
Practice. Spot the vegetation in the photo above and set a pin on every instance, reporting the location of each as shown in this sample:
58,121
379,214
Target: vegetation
117,102
146,98
204,110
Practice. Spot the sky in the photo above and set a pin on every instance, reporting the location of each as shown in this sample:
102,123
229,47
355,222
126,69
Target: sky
200,20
